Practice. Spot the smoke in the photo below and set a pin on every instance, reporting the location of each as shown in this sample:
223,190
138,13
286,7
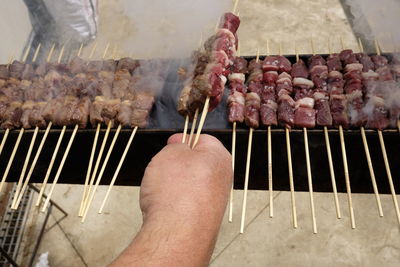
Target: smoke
377,20
171,28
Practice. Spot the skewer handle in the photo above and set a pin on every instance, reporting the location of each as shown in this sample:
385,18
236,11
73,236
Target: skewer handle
110,149
246,181
332,172
96,166
291,182
389,175
96,137
53,158
128,145
309,176
28,177
10,161
25,166
71,140
347,177
371,171
185,129
230,214
196,114
202,121
3,141
270,183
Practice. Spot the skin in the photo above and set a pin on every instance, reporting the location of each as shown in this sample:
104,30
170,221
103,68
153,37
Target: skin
183,197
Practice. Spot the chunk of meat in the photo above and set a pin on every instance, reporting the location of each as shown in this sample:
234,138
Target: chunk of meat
338,105
252,107
230,22
128,64
286,107
377,113
348,57
4,73
323,110
16,68
333,62
239,65
304,117
299,70
270,77
125,113
379,61
236,107
268,113
367,63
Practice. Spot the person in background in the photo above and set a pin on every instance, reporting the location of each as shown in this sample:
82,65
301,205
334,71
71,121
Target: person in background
183,197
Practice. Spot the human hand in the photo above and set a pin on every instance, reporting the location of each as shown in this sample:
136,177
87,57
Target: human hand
181,183
183,197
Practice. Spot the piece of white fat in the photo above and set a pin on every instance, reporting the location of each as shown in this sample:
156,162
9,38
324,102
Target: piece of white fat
306,102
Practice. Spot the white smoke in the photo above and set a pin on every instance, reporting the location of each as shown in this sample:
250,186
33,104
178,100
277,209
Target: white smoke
170,28
377,20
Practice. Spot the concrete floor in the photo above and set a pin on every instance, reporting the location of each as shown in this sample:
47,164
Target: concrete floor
266,241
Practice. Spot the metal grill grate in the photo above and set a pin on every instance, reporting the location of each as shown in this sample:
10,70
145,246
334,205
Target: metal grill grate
13,225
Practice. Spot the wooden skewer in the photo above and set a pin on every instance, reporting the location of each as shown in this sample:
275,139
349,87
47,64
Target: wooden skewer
21,132
20,194
389,174
3,141
33,165
235,7
368,156
53,158
80,49
246,181
96,166
196,114
346,168
71,140
329,152
291,181
308,164
19,184
185,129
26,54
86,186
290,169
25,166
207,102
202,121
233,151
128,145
50,167
91,196
247,173
385,158
310,186
184,137
269,147
347,177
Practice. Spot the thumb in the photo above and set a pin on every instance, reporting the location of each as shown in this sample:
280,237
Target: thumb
175,139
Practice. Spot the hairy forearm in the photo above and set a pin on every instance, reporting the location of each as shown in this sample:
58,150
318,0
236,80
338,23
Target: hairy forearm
179,242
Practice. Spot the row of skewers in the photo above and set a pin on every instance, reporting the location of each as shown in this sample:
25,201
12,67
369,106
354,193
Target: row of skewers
323,96
371,100
106,92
